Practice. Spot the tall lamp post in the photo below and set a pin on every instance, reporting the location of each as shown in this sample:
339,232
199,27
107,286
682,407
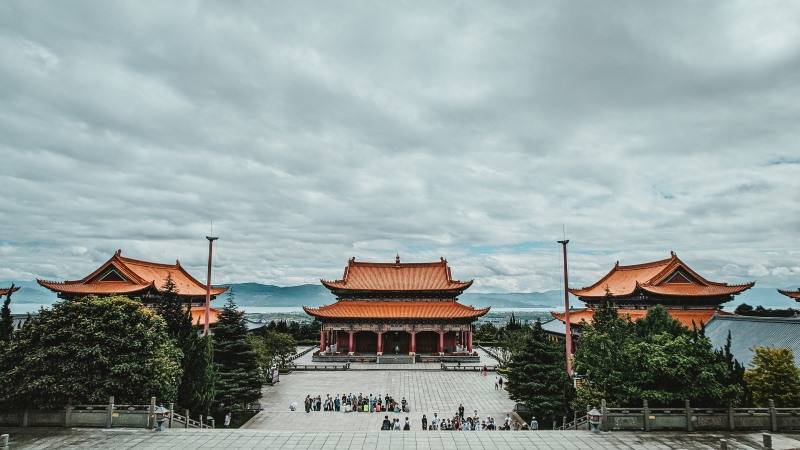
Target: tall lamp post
566,309
211,240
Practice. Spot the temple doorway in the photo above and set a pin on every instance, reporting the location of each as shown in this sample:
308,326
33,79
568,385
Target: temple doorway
366,342
427,342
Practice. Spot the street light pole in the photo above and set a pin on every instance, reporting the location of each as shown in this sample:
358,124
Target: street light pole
566,309
211,240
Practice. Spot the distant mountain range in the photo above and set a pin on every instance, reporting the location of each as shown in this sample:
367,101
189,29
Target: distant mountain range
255,294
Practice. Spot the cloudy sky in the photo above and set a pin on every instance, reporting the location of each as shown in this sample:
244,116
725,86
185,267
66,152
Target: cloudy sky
311,132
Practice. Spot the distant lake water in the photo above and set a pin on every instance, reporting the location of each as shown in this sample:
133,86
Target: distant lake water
25,308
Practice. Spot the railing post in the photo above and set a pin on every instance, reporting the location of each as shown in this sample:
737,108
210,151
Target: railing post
201,421
186,419
604,416
151,417
68,416
773,416
171,413
110,418
3,442
25,418
689,424
646,408
731,425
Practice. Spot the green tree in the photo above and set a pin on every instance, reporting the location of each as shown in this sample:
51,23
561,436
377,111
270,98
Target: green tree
240,378
603,354
774,376
537,377
6,323
196,391
273,349
87,349
658,321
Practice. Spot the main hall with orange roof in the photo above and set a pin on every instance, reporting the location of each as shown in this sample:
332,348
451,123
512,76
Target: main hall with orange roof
396,308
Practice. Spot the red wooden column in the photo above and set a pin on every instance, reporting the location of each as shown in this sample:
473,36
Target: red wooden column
380,342
413,343
322,340
469,340
441,342
350,347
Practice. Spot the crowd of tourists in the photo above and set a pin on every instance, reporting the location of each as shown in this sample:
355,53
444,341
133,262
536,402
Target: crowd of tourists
473,422
354,403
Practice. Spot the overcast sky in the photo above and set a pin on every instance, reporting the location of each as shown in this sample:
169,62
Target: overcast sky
310,133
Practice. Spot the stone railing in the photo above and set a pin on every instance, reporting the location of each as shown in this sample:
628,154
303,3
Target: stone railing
100,416
691,418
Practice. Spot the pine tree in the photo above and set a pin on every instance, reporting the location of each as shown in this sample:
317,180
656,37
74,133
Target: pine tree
6,323
538,377
240,378
196,390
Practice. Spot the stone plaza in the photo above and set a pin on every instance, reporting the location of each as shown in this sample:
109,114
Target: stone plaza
426,387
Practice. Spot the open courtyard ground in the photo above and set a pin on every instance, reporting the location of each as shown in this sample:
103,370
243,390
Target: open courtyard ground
426,387
40,439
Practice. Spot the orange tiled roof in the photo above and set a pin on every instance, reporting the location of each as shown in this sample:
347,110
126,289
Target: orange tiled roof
396,310
685,316
668,277
199,314
793,294
120,275
5,291
367,276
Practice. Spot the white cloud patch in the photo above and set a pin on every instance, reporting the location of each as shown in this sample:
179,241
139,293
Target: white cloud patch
310,133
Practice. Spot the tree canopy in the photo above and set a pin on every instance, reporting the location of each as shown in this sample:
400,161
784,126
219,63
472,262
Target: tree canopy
240,378
655,358
538,378
84,350
774,376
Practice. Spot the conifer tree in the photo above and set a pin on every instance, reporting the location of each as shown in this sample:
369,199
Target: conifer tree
196,391
538,378
240,378
6,323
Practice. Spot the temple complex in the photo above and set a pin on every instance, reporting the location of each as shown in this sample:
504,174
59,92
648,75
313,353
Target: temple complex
138,279
689,298
396,308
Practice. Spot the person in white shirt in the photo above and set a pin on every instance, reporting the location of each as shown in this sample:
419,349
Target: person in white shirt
435,421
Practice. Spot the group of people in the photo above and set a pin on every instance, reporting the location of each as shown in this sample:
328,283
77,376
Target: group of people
349,403
470,423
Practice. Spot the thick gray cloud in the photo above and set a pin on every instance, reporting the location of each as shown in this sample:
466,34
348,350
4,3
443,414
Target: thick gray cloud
312,132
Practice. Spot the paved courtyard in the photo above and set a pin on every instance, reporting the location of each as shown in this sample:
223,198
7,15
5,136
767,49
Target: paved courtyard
427,392
40,439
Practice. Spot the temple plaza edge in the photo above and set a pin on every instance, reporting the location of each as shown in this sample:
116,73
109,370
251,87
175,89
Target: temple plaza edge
407,310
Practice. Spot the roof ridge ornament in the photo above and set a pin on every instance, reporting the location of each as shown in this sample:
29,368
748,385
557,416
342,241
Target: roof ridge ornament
397,259
118,252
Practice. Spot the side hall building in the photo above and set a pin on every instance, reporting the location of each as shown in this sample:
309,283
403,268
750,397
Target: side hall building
689,298
396,308
142,280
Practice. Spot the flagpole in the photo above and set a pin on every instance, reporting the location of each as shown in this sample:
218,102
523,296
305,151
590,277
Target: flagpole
566,309
211,240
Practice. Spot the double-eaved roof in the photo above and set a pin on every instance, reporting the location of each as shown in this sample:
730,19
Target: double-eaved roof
396,277
131,277
668,278
396,291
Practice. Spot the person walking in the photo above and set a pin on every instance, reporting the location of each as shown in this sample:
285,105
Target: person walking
501,383
424,423
496,384
228,420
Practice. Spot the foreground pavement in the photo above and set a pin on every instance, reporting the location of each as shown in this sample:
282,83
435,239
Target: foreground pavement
250,439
